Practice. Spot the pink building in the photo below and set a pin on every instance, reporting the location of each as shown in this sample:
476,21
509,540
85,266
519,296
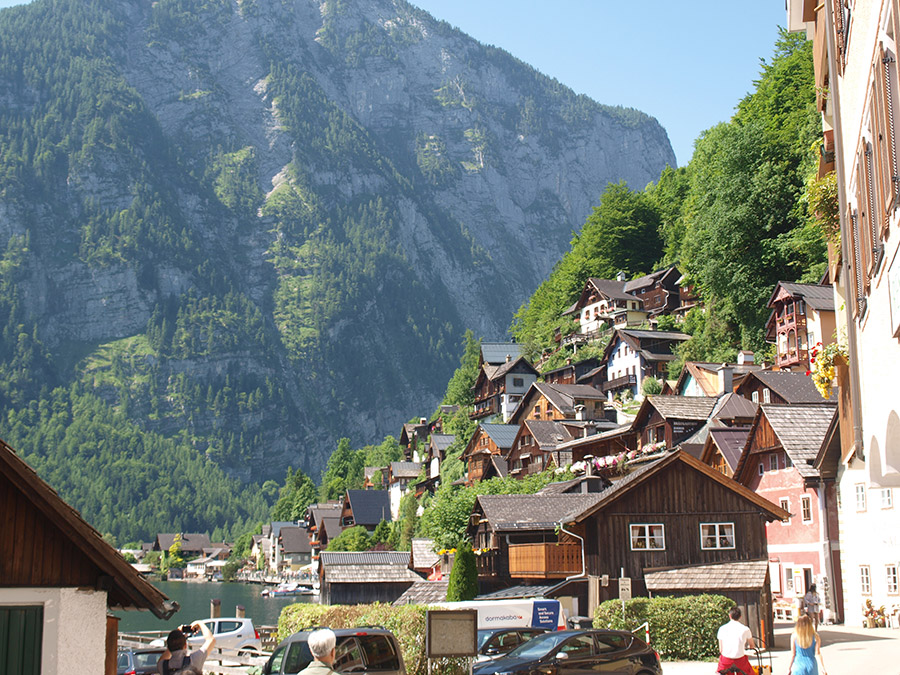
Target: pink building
779,463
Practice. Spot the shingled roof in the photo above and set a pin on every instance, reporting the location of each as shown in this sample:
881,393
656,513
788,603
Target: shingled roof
422,554
734,576
406,469
792,387
508,513
369,567
423,593
614,290
563,396
295,540
190,541
548,433
441,442
818,297
503,435
697,408
496,352
730,441
370,507
801,429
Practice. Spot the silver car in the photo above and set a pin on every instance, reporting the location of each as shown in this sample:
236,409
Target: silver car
231,633
357,650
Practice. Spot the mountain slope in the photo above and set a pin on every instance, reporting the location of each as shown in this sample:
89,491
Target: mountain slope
263,225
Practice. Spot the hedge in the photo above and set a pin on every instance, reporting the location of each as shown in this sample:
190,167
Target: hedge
407,622
680,628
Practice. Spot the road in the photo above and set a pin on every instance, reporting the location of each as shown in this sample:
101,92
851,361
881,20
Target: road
845,651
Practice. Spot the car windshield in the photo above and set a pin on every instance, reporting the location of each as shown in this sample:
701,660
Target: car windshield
483,636
146,659
539,646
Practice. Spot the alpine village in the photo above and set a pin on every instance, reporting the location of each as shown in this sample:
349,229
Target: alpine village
344,385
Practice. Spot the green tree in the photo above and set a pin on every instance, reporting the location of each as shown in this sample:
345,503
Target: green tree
651,386
408,520
297,494
459,388
463,584
175,559
382,533
352,539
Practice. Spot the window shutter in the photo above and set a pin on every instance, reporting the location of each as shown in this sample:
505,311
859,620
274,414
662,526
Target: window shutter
840,35
862,221
869,238
21,631
887,160
855,264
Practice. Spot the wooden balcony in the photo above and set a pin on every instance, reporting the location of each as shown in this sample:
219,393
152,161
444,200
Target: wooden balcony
485,407
489,564
544,561
620,382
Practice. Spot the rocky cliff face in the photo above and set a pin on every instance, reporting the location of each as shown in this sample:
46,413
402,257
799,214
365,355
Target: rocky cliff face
327,194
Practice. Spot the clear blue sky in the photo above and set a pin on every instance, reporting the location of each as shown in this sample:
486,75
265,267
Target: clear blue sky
687,63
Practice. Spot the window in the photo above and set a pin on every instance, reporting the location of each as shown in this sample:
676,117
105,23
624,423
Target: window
648,537
891,571
754,397
518,382
865,580
887,498
773,462
767,395
578,647
716,536
786,505
762,469
806,508
789,580
860,497
21,637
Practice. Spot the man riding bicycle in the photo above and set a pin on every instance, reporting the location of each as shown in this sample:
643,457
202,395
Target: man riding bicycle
734,637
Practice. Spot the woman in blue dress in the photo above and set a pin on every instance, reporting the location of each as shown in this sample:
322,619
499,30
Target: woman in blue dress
806,649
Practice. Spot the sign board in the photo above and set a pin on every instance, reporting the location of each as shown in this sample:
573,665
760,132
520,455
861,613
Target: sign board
513,613
624,588
450,632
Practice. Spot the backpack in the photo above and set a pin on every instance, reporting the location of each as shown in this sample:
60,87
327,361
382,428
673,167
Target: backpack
169,670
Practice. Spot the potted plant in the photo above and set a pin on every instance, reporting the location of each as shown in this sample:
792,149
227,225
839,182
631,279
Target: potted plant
823,361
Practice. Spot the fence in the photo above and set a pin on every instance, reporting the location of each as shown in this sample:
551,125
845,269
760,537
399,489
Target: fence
221,661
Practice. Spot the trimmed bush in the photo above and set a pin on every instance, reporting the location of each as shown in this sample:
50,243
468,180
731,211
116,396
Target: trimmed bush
680,628
407,622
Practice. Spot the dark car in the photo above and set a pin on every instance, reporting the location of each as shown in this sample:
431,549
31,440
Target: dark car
137,661
493,642
368,649
567,652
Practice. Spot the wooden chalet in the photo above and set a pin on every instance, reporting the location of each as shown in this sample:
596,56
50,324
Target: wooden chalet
604,304
658,291
670,420
559,402
735,411
779,463
434,457
192,543
316,515
499,388
723,448
59,580
362,578
535,447
632,355
366,508
413,437
294,549
771,386
573,373
423,559
613,441
489,443
802,315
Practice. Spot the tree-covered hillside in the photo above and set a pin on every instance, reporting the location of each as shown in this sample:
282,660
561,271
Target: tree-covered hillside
235,233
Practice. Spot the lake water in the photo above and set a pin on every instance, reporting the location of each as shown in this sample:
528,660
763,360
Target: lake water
194,599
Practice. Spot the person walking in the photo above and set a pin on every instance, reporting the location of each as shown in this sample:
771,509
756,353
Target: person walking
811,605
734,637
321,645
806,649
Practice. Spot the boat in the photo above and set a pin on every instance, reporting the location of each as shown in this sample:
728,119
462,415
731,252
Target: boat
288,588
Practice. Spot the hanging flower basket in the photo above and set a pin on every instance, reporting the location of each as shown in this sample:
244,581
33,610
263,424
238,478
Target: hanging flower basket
823,362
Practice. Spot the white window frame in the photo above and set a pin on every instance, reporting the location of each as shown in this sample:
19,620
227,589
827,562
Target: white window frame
788,579
785,503
887,498
641,532
865,580
754,397
767,395
806,508
719,532
773,462
893,579
860,489
762,469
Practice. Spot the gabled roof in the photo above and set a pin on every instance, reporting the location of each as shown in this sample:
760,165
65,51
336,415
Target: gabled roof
369,507
649,279
295,539
548,433
495,353
277,525
517,592
696,408
730,441
422,555
580,485
331,526
441,442
801,430
563,396
423,593
792,387
735,406
634,479
406,469
511,513
642,341
615,290
503,435
371,567
696,369
400,558
820,298
125,587
734,576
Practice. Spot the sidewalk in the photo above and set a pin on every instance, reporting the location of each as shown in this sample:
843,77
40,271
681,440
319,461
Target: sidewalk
845,650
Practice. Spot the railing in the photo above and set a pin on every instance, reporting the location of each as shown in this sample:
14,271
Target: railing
544,561
488,563
486,407
619,382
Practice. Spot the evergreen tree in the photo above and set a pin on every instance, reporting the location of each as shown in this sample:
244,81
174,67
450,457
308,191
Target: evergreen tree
463,584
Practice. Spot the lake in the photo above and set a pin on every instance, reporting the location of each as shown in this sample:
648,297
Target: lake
195,597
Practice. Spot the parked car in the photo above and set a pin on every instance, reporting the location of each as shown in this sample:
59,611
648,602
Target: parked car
494,642
577,651
137,661
368,649
231,633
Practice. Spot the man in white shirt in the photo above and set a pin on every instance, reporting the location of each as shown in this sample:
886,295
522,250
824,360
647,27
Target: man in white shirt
734,637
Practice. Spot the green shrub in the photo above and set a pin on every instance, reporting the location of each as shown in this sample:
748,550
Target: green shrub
407,622
680,628
463,584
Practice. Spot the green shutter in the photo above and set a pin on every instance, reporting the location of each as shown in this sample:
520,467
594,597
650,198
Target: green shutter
21,629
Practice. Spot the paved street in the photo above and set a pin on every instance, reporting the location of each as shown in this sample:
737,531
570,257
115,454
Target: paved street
851,651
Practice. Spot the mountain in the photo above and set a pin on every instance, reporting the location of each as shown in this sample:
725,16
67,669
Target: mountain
253,227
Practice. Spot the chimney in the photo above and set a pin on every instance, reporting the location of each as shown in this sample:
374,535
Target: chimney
508,358
745,357
620,276
579,413
588,465
726,378
423,420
